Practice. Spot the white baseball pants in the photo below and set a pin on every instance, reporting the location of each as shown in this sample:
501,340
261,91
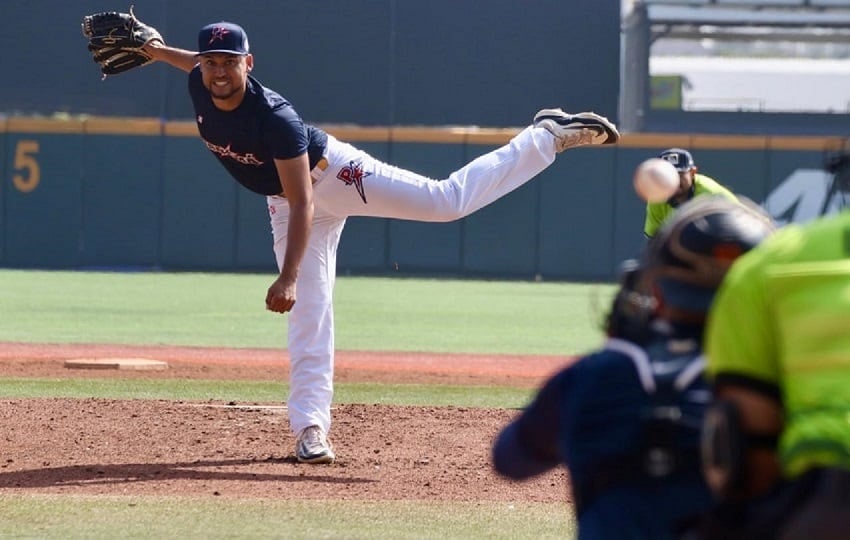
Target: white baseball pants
356,184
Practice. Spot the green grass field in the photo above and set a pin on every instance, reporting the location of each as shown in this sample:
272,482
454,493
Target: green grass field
197,309
108,518
227,310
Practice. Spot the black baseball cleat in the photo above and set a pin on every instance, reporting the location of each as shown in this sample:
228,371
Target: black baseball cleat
571,130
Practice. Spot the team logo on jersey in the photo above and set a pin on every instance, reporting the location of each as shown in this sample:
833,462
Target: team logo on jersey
218,33
226,152
353,174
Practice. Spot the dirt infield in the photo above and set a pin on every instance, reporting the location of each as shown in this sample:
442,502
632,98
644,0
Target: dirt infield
135,447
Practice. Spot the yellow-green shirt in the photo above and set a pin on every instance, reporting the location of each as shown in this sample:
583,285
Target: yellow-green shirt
657,213
781,318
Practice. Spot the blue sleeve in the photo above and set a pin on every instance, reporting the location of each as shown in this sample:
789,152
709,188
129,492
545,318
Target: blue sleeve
286,133
528,446
196,87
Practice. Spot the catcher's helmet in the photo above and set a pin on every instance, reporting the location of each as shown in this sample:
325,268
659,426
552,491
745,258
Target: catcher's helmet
688,258
684,263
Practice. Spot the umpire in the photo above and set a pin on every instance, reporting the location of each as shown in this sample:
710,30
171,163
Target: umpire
777,446
691,184
625,420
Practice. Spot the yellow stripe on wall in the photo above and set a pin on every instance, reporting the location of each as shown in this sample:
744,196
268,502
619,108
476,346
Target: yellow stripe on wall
17,124
181,129
411,134
123,126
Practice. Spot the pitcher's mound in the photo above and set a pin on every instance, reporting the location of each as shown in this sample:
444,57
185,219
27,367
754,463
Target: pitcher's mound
136,364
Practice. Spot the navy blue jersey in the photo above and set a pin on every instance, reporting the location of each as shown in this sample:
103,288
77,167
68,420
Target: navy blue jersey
597,417
248,139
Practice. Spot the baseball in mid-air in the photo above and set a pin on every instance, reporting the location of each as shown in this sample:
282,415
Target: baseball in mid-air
656,180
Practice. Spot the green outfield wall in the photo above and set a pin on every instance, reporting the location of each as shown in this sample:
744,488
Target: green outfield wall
364,62
141,193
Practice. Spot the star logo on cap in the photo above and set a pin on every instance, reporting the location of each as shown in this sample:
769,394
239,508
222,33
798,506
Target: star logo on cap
218,33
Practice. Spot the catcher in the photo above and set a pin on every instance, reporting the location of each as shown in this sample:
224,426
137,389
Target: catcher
777,439
312,183
626,419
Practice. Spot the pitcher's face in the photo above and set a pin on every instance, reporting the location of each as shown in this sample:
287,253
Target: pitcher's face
225,76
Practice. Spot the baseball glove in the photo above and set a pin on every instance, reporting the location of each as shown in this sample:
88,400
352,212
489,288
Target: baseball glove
116,40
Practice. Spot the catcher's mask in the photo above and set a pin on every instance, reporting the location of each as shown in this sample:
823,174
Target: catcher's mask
686,261
632,309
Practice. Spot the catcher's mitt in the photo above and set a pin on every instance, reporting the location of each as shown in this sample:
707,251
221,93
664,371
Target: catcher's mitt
116,40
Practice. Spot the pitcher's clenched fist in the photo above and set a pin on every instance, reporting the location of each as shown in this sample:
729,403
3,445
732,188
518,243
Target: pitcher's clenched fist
281,296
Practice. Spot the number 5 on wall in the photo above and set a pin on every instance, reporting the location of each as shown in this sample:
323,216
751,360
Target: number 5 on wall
26,163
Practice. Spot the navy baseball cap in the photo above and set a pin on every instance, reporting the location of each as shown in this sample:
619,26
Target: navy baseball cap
223,37
681,159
